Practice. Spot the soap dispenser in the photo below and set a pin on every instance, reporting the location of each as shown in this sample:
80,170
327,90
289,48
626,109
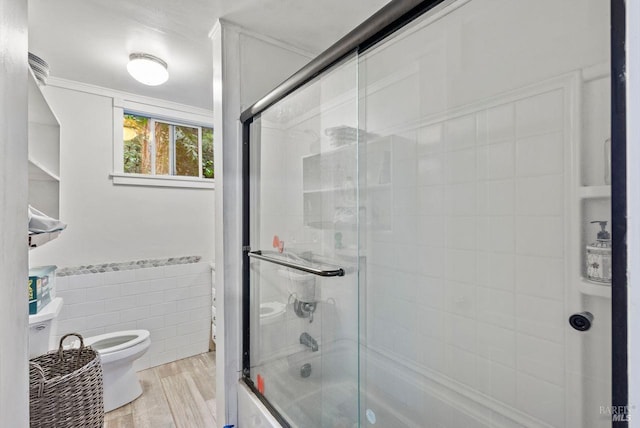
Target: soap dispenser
599,256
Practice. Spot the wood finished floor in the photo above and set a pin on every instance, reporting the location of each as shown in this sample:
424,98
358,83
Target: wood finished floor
180,394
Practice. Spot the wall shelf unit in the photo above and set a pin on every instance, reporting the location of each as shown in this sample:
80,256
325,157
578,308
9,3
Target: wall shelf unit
329,192
44,158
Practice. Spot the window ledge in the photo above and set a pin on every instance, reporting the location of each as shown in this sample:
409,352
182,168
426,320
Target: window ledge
162,181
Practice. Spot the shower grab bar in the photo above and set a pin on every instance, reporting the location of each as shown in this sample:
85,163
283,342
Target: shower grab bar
320,272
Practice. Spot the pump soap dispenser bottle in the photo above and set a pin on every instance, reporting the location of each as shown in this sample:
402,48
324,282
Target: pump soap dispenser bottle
599,256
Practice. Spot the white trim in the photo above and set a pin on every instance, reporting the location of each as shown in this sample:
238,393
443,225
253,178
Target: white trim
263,37
118,135
169,115
113,93
633,208
162,181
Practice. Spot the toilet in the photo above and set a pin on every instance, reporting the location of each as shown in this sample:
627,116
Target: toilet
271,340
118,351
42,328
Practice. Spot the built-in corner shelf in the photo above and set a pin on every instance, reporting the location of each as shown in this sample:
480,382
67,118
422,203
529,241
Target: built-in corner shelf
594,192
594,289
44,159
40,239
40,172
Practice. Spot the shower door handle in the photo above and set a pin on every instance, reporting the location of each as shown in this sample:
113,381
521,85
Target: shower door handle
308,269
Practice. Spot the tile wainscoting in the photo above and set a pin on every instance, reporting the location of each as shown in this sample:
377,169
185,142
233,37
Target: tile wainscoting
172,301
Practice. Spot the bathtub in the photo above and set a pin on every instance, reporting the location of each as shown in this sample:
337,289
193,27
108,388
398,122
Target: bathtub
347,390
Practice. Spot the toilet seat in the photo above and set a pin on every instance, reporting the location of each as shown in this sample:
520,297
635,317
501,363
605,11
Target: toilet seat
271,311
119,344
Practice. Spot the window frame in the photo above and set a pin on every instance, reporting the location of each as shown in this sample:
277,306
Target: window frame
162,115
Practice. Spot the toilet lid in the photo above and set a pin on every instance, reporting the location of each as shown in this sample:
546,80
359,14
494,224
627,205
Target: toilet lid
116,341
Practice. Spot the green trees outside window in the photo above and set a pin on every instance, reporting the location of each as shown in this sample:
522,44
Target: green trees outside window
159,148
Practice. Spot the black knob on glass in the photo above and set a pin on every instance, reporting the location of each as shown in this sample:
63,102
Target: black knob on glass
581,321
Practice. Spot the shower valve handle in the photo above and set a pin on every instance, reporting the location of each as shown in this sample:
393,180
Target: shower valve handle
581,321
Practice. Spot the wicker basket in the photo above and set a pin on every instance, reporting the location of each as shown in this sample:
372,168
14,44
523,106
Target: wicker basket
65,388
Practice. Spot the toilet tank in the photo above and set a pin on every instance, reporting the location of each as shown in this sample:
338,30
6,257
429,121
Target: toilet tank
42,328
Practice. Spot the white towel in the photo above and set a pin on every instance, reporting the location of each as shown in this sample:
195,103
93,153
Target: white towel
39,222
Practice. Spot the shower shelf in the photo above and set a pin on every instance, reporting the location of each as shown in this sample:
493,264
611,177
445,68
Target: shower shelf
594,192
594,289
39,239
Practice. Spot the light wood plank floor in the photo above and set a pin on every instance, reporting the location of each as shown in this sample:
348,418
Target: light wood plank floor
180,394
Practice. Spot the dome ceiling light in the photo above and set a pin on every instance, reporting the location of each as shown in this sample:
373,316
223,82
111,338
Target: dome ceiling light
147,69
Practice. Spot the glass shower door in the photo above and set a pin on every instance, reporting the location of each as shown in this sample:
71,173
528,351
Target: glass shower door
480,188
304,212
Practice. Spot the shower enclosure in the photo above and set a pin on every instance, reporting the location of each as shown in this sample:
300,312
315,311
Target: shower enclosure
416,223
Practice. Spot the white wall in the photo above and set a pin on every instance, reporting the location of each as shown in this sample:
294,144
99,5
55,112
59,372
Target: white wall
107,222
240,61
173,302
14,394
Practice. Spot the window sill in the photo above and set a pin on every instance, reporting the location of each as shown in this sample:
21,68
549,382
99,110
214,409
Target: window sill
162,181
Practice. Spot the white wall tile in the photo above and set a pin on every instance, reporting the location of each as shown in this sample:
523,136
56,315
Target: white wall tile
540,196
119,277
101,320
119,303
460,298
71,297
460,265
497,381
540,276
62,283
145,274
496,161
461,366
134,314
541,358
496,197
429,139
102,293
540,317
496,233
496,270
404,172
161,309
187,269
496,306
501,123
150,323
496,344
540,398
460,199
460,166
540,236
149,299
540,155
460,233
540,114
430,169
460,132
85,281
460,331
430,200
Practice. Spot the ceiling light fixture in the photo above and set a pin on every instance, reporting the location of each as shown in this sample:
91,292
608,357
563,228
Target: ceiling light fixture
147,69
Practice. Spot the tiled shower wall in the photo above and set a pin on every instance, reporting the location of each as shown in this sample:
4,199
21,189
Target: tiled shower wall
476,256
173,302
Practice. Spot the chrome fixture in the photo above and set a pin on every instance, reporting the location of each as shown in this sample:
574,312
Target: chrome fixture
307,340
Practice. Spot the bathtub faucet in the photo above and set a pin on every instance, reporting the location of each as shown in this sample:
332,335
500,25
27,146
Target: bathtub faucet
307,340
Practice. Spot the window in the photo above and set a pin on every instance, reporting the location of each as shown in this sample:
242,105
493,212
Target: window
162,148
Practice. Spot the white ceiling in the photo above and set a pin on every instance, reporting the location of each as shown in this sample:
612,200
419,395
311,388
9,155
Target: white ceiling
90,40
